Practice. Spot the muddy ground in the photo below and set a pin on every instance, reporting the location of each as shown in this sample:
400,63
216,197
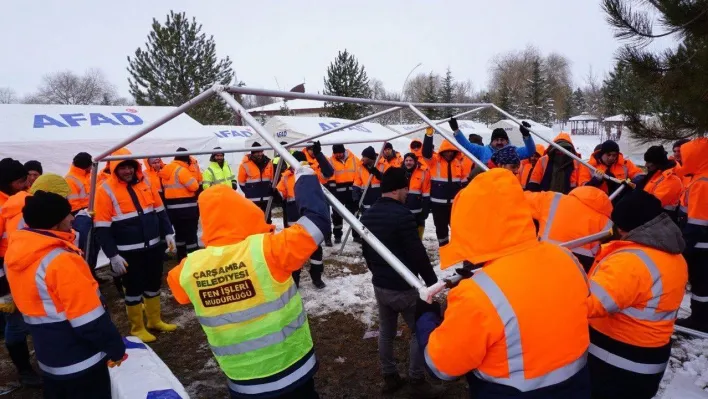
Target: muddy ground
348,363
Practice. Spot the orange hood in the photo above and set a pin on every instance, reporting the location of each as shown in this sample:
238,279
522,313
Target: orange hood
593,198
507,230
114,164
13,206
447,146
693,155
221,225
562,136
26,247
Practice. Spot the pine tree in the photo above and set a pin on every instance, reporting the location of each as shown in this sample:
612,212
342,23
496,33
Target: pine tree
578,103
678,77
447,92
624,93
430,95
346,78
539,104
178,63
503,98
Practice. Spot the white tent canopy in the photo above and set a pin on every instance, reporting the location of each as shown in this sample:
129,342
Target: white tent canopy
512,129
54,134
233,138
292,128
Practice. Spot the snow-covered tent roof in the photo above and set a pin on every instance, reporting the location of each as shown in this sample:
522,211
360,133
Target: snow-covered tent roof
54,134
615,118
584,117
512,129
292,128
297,104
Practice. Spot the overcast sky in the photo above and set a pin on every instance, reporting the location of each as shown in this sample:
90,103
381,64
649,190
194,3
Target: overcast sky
296,40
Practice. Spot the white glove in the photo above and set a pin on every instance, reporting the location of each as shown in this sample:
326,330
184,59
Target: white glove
118,265
304,170
598,174
171,243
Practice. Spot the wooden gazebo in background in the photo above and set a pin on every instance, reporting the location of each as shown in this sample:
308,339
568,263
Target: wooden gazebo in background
585,124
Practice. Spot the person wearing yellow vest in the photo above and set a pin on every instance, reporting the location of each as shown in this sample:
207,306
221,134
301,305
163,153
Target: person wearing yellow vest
244,296
218,172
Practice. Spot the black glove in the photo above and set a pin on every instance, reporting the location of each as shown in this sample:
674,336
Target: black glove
524,128
316,148
453,124
422,307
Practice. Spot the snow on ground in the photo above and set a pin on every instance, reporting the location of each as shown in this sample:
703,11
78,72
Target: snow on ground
686,378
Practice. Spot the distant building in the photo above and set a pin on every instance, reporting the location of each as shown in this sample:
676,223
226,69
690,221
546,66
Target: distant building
288,108
585,124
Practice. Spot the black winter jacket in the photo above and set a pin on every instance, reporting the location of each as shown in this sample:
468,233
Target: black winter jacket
395,226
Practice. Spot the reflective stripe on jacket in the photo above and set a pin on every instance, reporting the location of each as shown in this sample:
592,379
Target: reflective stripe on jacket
622,169
636,291
362,178
216,174
255,183
562,218
419,189
344,173
447,178
79,182
693,214
60,302
667,187
286,187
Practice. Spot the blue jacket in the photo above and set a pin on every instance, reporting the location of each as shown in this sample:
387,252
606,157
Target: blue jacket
484,152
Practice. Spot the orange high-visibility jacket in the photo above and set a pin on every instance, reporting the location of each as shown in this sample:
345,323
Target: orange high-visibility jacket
541,175
395,161
447,178
362,178
80,183
419,189
3,236
667,187
195,170
286,188
506,322
584,211
152,175
254,182
120,225
636,288
345,171
622,169
693,210
526,168
179,185
59,300
11,218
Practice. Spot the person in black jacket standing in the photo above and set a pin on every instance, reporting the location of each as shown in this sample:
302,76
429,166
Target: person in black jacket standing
395,226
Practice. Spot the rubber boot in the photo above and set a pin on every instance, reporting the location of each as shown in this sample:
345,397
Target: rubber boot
137,325
392,383
422,389
316,275
19,354
153,310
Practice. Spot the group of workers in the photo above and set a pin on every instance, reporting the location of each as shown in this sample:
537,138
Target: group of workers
533,319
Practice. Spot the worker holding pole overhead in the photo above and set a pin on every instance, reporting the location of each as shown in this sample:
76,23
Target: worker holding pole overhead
255,321
367,167
448,174
609,161
500,139
503,336
637,285
561,218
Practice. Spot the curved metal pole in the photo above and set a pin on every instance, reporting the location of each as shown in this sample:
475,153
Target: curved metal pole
343,127
361,200
384,252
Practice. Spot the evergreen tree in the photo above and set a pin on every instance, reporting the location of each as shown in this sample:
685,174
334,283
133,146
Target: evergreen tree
678,76
488,115
284,109
503,98
578,105
430,95
178,63
538,104
346,78
624,93
447,92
